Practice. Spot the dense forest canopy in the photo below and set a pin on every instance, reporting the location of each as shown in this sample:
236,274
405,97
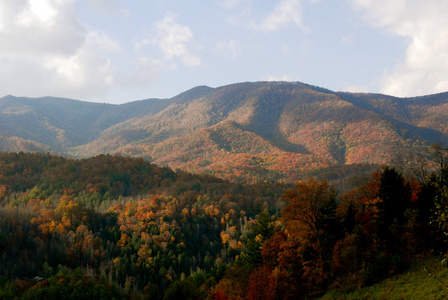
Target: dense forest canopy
113,226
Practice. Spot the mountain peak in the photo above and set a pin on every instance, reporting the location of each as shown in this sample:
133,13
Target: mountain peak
194,93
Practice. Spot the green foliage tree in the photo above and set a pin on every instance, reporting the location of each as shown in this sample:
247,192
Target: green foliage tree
440,183
182,290
263,229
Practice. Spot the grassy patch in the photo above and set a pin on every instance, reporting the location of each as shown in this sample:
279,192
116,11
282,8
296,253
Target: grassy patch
425,279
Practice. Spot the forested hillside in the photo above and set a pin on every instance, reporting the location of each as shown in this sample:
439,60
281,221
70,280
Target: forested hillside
113,226
139,226
245,132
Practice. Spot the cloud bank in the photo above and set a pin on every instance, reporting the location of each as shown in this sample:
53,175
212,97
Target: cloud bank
47,51
99,49
424,23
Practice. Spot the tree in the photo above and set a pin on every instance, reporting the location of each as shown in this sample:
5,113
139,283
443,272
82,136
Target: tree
261,284
182,290
305,213
439,192
396,199
251,255
311,227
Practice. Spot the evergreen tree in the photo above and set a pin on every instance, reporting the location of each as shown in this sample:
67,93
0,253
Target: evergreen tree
251,255
395,200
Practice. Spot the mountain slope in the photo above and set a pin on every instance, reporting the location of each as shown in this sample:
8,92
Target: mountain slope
62,123
252,131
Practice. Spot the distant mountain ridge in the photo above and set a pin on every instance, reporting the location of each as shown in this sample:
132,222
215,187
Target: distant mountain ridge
251,131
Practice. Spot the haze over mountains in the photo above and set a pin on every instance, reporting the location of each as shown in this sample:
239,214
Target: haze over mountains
252,131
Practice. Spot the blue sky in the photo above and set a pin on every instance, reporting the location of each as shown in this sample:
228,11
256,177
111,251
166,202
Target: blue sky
119,51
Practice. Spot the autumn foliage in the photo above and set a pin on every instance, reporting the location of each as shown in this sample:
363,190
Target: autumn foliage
126,228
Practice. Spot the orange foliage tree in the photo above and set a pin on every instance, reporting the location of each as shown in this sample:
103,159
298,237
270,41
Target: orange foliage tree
311,228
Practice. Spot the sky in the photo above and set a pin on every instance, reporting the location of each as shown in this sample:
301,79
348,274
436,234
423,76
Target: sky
117,51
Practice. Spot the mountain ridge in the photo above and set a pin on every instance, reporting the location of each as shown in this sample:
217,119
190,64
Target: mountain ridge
243,131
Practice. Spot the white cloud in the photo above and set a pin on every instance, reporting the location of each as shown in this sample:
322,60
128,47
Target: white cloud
161,49
47,51
287,12
230,49
76,70
37,27
172,40
40,11
425,67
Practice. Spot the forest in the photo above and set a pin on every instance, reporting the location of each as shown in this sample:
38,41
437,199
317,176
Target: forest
114,227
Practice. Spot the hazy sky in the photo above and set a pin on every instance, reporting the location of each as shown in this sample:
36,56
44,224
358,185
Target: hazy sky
119,51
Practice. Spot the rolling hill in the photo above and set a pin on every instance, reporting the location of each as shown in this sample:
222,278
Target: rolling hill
266,131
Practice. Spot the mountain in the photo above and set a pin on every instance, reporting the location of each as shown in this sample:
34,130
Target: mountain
252,131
